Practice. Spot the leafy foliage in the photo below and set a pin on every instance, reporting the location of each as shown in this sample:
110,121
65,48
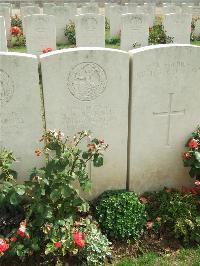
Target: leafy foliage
53,208
70,33
174,212
113,40
121,214
16,21
157,35
191,158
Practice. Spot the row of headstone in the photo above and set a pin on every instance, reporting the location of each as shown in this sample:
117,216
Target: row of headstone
161,114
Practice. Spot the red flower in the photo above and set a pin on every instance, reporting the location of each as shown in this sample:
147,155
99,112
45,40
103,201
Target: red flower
186,155
193,143
197,183
79,239
149,225
47,50
22,230
3,245
58,244
15,30
13,239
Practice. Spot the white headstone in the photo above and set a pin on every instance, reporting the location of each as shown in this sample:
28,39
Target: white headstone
89,9
82,92
5,12
62,18
179,27
196,11
90,30
165,110
26,11
72,7
3,40
134,31
48,8
40,33
20,119
131,7
115,20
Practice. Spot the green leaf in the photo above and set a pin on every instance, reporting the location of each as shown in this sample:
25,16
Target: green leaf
85,155
197,156
20,189
98,161
14,199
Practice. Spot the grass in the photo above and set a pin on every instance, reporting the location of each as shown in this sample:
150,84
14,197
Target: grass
183,257
22,49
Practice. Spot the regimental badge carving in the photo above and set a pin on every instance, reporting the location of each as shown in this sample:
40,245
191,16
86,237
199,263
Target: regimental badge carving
6,87
87,81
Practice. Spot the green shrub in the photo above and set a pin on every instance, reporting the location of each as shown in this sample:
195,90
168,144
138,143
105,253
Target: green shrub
121,214
113,40
16,21
70,33
174,212
157,35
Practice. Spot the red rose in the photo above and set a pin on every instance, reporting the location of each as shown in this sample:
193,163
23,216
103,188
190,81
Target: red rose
193,143
79,239
13,239
15,30
91,146
3,245
58,244
22,230
47,50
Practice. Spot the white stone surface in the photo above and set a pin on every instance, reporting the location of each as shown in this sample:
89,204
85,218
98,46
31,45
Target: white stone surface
48,8
20,119
131,7
62,18
165,110
26,11
72,7
89,9
88,89
90,30
134,31
40,33
5,12
3,39
179,27
115,20
196,11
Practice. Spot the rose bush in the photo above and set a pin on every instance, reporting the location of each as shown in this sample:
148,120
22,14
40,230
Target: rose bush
53,209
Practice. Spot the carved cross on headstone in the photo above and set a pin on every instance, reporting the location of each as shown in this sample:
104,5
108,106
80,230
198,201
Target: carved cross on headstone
169,115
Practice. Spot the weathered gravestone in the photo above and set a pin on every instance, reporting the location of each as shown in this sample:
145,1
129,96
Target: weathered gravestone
62,16
40,33
196,11
3,40
20,120
48,8
134,31
131,7
179,27
90,30
72,7
89,9
115,20
5,12
165,109
26,11
87,89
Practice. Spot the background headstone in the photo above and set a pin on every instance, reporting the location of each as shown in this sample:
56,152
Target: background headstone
40,33
90,30
5,12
